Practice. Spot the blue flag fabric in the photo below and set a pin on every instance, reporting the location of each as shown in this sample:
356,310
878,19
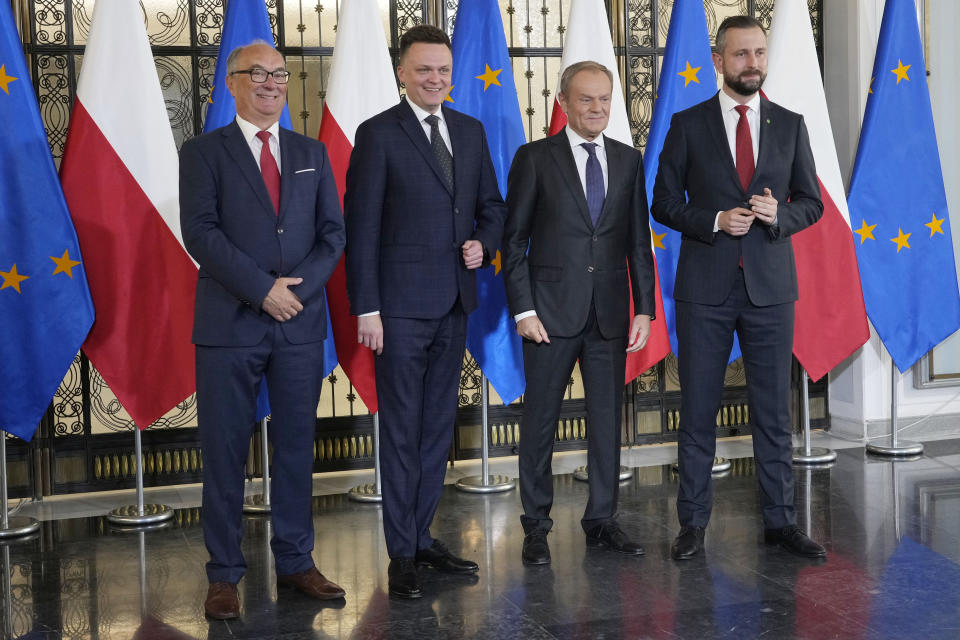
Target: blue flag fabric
244,22
898,207
686,78
483,87
45,305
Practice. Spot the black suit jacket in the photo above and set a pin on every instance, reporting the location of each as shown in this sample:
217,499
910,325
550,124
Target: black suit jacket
405,227
696,163
570,263
231,229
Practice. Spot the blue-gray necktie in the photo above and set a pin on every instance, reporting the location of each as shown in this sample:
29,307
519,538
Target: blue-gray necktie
440,151
595,194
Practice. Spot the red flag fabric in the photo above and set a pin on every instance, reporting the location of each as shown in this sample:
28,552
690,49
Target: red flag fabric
119,175
830,317
588,38
361,85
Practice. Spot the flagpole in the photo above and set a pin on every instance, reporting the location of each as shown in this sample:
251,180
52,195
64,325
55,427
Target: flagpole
808,455
896,449
260,504
16,526
7,593
140,514
485,483
370,492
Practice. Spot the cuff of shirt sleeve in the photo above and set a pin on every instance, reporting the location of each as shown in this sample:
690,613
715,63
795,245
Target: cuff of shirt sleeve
372,313
525,314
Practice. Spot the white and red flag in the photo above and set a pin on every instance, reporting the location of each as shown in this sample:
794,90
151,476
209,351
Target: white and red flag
831,321
120,177
588,38
360,86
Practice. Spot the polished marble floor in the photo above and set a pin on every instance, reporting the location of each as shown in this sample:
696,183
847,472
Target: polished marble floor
892,530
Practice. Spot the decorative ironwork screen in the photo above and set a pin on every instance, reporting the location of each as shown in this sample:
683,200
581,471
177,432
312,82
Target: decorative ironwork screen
83,442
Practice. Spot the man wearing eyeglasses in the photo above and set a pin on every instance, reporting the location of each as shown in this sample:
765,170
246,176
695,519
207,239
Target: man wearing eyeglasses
260,214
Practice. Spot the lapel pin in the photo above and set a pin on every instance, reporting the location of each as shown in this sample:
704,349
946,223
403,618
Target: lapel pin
768,120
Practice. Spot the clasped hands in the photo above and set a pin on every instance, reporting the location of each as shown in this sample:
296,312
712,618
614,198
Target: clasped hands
737,221
281,303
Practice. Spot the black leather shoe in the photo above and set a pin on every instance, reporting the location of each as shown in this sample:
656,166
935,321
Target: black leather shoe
440,558
535,548
611,536
794,540
402,578
688,543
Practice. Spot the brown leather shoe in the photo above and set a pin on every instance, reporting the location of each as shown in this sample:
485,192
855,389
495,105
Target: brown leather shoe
312,583
222,601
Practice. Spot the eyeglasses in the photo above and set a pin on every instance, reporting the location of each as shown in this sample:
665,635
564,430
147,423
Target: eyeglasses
260,75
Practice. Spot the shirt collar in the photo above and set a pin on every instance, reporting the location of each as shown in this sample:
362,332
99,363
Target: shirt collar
729,104
423,113
576,139
251,130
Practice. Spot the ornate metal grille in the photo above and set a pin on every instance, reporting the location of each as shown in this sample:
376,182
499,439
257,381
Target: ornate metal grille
83,442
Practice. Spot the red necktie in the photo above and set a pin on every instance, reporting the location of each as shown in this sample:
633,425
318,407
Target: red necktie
745,165
271,173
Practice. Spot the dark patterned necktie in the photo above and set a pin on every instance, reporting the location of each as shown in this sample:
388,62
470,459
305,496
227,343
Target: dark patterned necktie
595,194
440,151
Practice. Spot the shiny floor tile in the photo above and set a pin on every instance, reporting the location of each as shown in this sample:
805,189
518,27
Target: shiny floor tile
892,530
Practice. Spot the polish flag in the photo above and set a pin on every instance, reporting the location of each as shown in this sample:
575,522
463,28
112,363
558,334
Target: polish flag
588,38
360,86
831,321
119,175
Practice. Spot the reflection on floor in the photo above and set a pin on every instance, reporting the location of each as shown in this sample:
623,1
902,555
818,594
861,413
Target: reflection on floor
892,530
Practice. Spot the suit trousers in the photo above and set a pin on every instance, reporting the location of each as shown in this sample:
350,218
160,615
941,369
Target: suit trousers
418,374
227,383
547,368
705,337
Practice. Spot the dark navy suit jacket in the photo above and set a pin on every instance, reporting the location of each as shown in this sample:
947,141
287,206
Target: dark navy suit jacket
231,229
696,163
555,261
405,227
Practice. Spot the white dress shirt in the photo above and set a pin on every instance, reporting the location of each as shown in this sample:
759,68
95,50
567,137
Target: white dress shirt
422,115
728,108
580,156
250,132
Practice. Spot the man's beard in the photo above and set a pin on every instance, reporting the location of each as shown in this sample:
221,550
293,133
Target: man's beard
746,87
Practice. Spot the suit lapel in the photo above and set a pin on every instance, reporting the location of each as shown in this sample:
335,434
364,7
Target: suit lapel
615,174
719,134
414,130
765,132
287,170
563,156
240,151
458,141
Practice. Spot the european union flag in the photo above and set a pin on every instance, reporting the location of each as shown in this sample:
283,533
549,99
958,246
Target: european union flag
45,305
686,78
483,87
898,206
244,22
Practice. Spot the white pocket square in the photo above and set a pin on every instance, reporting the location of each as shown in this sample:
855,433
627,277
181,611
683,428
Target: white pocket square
304,170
